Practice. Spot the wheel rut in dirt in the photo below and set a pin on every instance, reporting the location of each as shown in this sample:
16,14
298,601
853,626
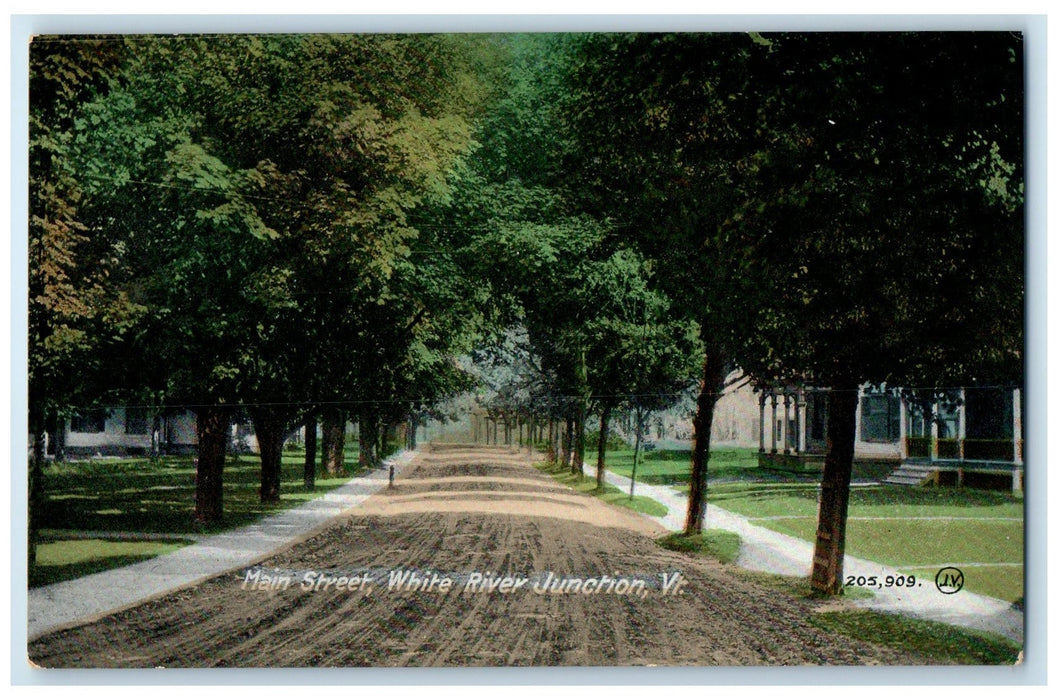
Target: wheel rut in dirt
458,513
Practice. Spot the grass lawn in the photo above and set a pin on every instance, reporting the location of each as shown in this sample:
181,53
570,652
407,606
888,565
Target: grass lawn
674,466
610,494
148,498
916,530
62,560
720,544
938,641
917,543
1003,582
758,500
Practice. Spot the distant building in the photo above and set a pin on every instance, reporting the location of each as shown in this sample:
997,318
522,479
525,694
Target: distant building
133,431
974,440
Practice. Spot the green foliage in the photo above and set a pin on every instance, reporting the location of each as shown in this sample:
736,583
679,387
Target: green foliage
306,220
595,320
258,195
897,261
75,313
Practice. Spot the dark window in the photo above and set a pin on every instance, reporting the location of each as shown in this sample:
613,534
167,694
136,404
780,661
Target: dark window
135,421
879,418
817,417
89,422
989,414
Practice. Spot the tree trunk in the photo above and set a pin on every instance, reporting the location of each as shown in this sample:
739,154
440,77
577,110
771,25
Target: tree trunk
551,456
156,435
57,438
36,490
712,385
334,441
567,441
635,451
268,426
829,559
212,425
387,436
310,452
583,392
604,431
368,432
578,437
531,431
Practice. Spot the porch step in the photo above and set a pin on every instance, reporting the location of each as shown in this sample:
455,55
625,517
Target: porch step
911,475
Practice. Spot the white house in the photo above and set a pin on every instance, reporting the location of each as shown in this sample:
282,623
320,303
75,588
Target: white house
131,431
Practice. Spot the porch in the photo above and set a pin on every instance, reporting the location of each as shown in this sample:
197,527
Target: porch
969,436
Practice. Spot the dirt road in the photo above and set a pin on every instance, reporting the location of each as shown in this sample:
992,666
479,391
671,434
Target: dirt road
371,591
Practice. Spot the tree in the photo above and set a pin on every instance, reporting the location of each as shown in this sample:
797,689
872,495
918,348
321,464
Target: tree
656,136
639,357
889,208
521,240
260,188
76,314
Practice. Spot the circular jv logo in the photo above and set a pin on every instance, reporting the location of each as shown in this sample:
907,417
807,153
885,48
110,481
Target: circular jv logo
949,580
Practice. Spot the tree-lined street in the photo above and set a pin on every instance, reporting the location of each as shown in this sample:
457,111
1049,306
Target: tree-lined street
560,230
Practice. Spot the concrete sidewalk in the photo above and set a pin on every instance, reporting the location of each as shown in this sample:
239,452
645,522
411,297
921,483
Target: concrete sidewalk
774,552
60,604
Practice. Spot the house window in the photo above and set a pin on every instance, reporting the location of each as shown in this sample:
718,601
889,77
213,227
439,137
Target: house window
947,422
989,414
817,417
879,418
917,424
89,422
135,421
